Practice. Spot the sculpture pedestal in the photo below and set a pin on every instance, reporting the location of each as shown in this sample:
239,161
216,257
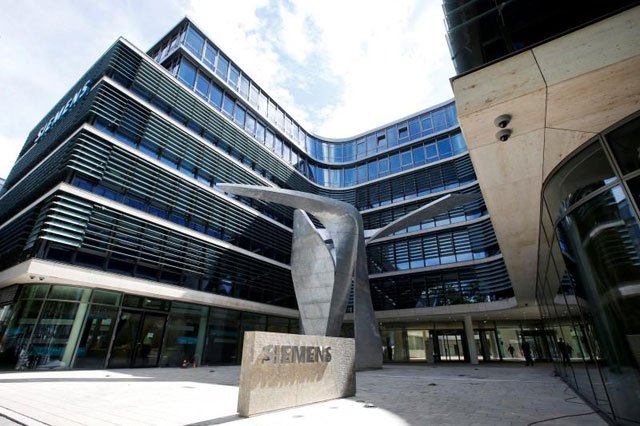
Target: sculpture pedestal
287,370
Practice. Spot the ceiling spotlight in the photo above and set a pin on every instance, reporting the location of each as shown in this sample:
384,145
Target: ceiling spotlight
503,135
502,120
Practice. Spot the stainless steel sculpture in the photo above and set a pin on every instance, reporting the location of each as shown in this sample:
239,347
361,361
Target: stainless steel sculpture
324,266
321,276
428,211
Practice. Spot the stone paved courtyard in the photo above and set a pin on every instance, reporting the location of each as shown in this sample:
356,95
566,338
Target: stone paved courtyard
421,394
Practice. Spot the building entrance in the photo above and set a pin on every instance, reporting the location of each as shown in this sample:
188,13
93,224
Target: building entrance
450,345
138,339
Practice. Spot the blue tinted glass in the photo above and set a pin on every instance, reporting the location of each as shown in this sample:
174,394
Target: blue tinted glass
348,153
414,128
403,133
394,163
234,75
450,113
223,65
426,123
362,173
210,55
350,176
418,155
458,144
361,148
373,169
250,124
239,115
392,136
444,148
215,97
382,142
439,120
383,166
372,144
406,158
202,85
432,151
187,72
227,105
194,42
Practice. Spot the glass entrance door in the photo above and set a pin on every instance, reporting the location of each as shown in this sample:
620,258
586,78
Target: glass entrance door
449,347
138,340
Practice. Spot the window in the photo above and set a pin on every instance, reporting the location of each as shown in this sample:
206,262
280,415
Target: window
259,131
234,76
392,136
361,148
253,95
414,128
372,169
350,176
210,56
444,148
383,166
223,66
372,144
425,122
244,87
202,85
394,163
187,73
403,132
362,173
194,42
239,115
432,152
382,142
250,124
227,106
263,102
418,155
406,159
215,97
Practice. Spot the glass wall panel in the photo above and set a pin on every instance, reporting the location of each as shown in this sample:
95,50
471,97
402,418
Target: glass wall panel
185,334
96,337
587,172
223,336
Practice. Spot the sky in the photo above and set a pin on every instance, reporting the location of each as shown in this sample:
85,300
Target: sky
338,67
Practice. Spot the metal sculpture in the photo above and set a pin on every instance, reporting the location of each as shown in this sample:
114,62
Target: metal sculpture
325,262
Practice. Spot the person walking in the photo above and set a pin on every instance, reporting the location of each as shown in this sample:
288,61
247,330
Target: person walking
511,349
526,351
565,352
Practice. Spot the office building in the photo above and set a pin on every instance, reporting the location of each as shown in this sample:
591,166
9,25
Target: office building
118,249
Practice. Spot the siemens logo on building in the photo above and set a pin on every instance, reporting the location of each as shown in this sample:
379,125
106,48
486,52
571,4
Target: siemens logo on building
290,354
62,111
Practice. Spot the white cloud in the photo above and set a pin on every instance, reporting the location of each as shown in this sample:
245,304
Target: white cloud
389,59
338,67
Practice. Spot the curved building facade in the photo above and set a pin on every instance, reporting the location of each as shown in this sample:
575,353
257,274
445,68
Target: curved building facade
118,249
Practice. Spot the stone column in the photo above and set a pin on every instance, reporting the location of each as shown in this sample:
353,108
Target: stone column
471,343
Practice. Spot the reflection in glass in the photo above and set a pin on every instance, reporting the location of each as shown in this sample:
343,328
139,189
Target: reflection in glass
586,172
95,339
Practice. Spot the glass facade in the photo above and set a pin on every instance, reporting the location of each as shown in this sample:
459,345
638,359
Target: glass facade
56,326
589,267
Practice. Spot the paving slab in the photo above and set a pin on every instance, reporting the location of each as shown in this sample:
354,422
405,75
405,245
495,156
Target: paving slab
398,395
